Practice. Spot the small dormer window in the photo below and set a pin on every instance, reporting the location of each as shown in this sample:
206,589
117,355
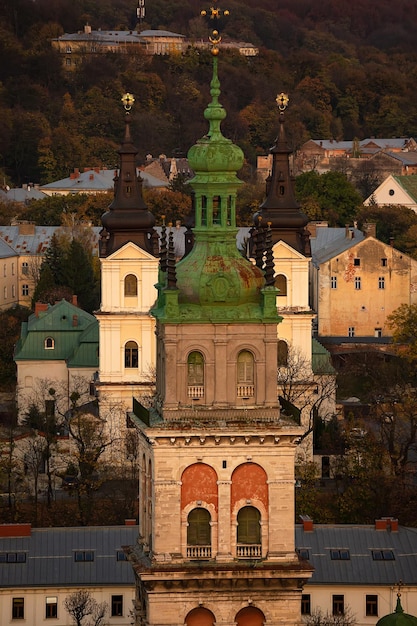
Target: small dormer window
49,343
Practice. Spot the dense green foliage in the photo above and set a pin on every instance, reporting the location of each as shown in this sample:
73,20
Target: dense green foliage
68,270
350,71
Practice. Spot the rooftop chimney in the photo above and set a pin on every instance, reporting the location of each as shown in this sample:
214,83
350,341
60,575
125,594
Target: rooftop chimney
307,523
39,307
15,530
386,523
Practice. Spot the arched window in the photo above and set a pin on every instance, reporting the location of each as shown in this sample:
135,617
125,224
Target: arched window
281,284
249,533
199,534
195,375
200,617
131,354
282,353
245,374
49,343
250,616
131,285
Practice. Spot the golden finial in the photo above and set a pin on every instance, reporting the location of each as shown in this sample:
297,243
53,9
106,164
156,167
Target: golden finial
214,13
282,101
128,101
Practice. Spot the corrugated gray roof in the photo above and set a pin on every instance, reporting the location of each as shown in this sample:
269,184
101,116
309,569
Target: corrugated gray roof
102,180
50,557
38,242
330,242
360,541
6,251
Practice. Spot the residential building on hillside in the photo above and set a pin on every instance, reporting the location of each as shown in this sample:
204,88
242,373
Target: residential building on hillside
9,269
74,47
396,190
58,348
41,567
30,242
358,568
324,154
357,281
94,180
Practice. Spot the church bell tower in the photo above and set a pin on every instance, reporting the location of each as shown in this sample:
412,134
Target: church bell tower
217,458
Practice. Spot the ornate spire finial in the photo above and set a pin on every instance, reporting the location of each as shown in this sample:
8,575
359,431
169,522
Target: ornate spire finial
214,13
128,101
282,101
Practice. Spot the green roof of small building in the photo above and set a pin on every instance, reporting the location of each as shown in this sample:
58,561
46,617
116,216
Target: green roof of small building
320,359
74,333
409,184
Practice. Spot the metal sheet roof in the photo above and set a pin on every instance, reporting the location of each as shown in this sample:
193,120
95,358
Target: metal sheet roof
329,242
50,559
361,568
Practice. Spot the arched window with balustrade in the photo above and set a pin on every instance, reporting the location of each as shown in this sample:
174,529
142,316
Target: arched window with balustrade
249,544
245,374
199,534
195,375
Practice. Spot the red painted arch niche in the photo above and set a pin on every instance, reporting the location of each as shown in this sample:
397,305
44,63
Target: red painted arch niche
249,482
200,617
199,482
250,616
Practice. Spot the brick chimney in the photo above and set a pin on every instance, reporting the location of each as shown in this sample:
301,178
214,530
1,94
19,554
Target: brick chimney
386,523
39,307
15,530
307,522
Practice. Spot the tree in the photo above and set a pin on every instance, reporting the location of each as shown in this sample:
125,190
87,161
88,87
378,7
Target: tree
79,276
311,394
92,436
319,618
34,459
331,193
173,204
10,328
403,323
81,605
41,416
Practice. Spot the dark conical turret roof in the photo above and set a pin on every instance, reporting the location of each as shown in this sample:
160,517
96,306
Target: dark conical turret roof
280,208
127,218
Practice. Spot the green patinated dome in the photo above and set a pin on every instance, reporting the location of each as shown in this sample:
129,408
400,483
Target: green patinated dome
214,282
398,618
214,276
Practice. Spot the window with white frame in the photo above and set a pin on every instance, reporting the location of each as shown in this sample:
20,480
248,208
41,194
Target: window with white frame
381,282
358,282
351,331
49,343
333,282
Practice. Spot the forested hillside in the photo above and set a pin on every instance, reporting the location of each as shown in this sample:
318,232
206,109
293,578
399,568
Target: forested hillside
350,70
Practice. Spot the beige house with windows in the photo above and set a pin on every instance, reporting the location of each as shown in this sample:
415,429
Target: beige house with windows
30,243
9,263
357,282
41,567
358,569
